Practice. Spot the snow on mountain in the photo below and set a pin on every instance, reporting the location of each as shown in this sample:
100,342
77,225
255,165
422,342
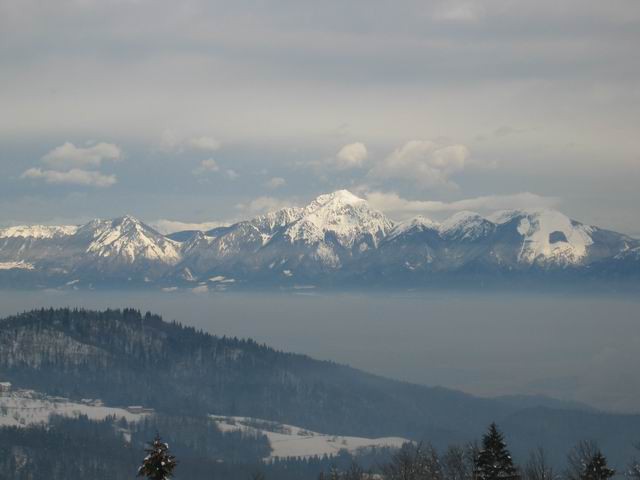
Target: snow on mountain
415,224
128,239
270,222
291,441
550,236
335,234
466,226
38,231
341,214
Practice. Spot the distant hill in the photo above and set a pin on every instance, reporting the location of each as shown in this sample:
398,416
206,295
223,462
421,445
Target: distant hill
126,358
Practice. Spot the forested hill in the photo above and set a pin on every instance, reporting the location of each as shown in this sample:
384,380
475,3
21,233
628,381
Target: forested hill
126,358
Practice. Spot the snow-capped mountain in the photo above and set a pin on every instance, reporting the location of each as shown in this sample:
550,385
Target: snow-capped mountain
338,238
128,240
345,218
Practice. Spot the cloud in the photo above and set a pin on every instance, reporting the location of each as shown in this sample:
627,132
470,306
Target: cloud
75,176
423,162
231,174
275,182
68,155
204,143
172,141
263,205
458,13
352,155
208,165
169,226
391,202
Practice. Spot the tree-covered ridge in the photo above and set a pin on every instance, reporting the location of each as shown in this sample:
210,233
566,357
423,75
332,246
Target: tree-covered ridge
125,357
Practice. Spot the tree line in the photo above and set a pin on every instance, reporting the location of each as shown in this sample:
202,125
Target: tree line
489,461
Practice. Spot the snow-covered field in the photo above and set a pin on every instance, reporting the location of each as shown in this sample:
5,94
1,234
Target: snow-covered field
22,408
22,265
291,441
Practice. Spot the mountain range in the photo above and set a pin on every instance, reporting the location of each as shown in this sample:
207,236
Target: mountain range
338,239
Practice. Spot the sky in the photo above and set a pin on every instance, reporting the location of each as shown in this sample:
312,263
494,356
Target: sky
204,112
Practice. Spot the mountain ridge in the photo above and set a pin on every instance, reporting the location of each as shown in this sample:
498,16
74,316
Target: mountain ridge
337,239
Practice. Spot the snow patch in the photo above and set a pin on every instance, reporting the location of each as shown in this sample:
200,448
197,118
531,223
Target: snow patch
291,441
38,231
551,236
22,408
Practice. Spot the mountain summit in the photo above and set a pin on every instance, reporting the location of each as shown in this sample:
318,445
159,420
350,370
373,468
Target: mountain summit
337,239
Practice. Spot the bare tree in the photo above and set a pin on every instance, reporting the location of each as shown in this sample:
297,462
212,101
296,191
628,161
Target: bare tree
414,463
634,467
587,462
578,459
538,468
458,462
355,472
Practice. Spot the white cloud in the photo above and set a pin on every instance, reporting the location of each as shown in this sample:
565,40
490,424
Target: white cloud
392,203
263,205
171,140
458,12
352,155
75,176
203,143
232,174
68,155
169,226
208,165
424,162
275,182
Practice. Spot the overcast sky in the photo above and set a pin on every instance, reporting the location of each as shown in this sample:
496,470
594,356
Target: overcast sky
204,111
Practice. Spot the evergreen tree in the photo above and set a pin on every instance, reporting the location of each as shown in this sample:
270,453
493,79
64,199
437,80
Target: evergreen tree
597,469
586,462
494,460
159,463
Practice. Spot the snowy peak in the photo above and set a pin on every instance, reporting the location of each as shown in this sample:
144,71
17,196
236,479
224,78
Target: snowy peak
339,197
414,225
128,239
344,216
466,226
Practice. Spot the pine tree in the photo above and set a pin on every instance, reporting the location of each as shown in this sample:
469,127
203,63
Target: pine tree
597,468
494,460
159,463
